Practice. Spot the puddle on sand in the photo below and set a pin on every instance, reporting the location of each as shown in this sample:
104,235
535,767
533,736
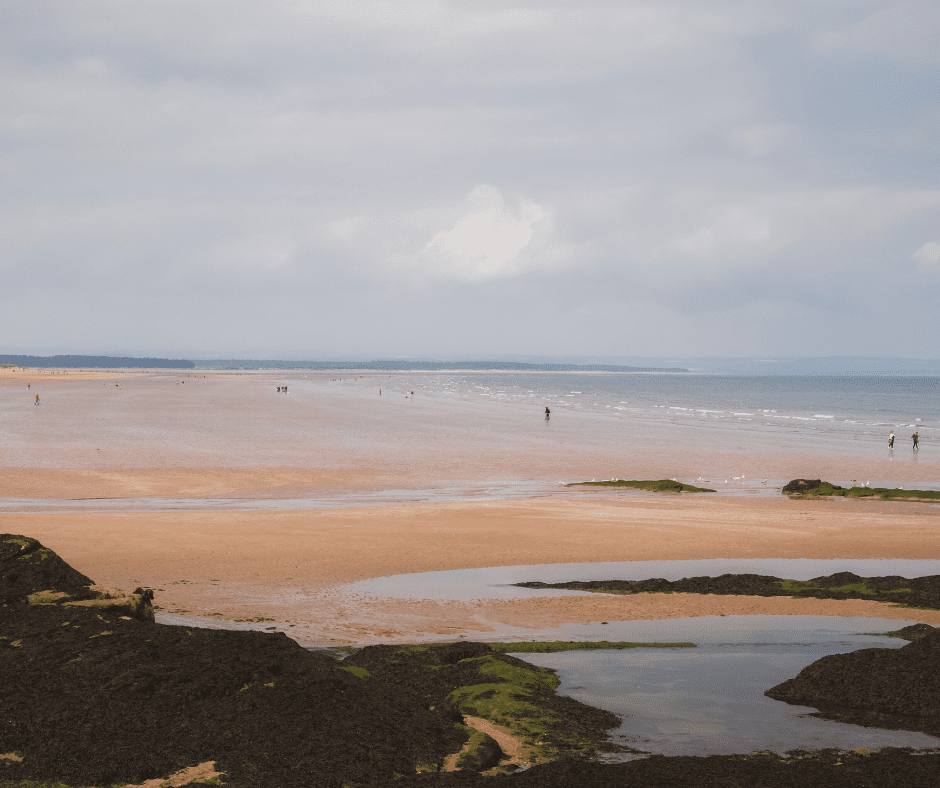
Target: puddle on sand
497,582
710,699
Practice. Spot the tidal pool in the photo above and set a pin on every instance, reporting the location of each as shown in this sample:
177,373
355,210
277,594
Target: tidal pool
710,699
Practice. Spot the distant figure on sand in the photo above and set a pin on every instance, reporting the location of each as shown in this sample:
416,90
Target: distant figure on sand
913,437
891,440
37,399
548,414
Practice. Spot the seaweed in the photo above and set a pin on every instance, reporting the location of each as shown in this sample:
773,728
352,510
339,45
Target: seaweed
816,488
918,592
660,485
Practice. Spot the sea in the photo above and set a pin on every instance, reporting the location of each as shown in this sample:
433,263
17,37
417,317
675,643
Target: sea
851,407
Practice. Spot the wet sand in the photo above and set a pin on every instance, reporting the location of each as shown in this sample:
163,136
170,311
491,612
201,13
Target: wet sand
156,436
290,566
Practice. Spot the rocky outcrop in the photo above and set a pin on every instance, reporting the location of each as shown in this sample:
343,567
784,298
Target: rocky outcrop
31,574
803,486
877,687
920,592
26,567
484,753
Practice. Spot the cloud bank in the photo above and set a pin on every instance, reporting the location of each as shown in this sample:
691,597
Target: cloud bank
446,179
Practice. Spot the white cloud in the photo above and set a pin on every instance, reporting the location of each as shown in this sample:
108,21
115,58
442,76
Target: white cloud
928,256
483,244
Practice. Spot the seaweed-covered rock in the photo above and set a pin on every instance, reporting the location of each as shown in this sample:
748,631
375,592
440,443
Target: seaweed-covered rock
89,698
921,592
876,687
27,567
484,753
802,485
912,632
889,768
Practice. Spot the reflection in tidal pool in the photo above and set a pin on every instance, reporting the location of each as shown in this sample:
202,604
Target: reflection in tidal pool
709,700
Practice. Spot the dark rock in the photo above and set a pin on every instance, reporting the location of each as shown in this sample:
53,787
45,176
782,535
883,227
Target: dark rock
92,699
454,652
485,755
802,485
887,688
912,632
889,768
920,592
27,567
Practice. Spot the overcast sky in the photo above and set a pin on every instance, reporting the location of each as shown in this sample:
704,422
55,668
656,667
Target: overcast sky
283,179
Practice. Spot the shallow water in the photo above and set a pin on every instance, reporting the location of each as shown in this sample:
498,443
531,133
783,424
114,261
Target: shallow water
462,429
853,406
709,700
498,582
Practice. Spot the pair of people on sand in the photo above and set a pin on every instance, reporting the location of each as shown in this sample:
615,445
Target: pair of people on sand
913,438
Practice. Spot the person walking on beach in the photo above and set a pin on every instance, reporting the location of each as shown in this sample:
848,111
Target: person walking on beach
548,414
37,399
891,440
914,438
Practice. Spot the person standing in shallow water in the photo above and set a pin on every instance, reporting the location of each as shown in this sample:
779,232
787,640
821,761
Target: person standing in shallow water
891,440
914,438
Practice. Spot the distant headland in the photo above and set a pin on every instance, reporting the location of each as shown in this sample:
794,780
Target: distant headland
426,366
96,362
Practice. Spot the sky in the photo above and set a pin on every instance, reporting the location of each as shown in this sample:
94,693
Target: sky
470,180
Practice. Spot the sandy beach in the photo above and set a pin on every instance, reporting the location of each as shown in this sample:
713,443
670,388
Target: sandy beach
145,440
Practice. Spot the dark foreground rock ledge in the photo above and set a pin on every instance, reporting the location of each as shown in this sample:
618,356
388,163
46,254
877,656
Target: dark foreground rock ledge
91,699
90,696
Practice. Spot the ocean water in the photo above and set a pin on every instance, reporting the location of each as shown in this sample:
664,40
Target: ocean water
852,407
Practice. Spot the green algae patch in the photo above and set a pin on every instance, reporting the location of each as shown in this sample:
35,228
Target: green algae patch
472,679
806,587
553,646
660,485
816,488
25,542
524,675
361,673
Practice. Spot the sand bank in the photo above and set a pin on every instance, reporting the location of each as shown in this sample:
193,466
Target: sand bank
43,484
15,376
178,434
290,566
